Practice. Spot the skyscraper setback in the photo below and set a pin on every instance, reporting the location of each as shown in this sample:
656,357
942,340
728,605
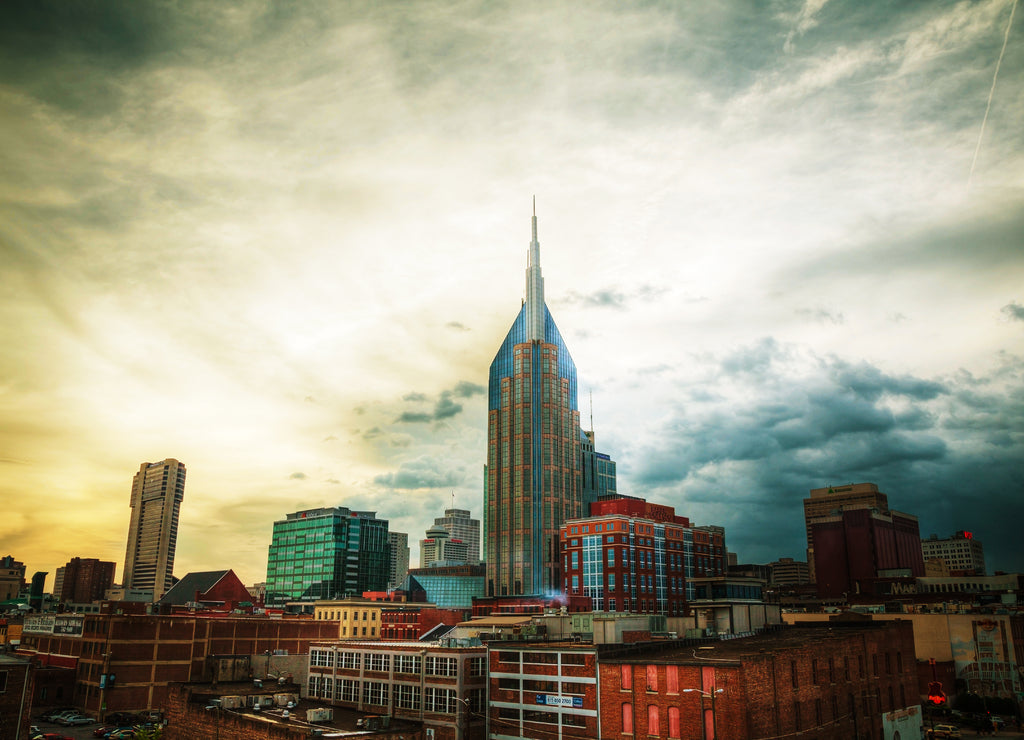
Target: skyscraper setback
533,475
157,491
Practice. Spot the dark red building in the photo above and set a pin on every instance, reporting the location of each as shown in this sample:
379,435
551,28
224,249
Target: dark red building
855,548
411,621
126,662
83,580
832,681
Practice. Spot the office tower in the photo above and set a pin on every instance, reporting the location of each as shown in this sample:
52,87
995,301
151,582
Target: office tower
398,563
326,553
854,549
441,548
463,527
962,554
157,491
533,477
83,580
789,572
12,577
835,499
633,556
598,471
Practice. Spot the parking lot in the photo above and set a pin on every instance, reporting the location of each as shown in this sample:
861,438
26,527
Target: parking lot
83,732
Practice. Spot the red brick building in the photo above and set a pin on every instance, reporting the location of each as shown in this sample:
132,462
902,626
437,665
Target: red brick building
16,675
126,662
411,621
633,556
830,682
82,580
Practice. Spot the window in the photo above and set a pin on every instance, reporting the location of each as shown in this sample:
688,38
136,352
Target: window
626,677
653,720
378,662
673,723
652,678
792,673
672,679
439,700
478,666
611,558
347,690
437,666
406,696
407,664
376,693
322,658
509,684
627,718
350,661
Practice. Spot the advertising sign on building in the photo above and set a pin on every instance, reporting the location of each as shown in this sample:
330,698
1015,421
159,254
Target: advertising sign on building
903,724
39,624
68,625
560,701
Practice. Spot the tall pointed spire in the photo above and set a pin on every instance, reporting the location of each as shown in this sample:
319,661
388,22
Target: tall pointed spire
534,287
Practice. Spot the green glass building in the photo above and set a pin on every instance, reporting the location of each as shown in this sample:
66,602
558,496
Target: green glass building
327,553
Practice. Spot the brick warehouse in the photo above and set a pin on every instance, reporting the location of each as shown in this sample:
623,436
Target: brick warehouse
442,685
144,653
832,682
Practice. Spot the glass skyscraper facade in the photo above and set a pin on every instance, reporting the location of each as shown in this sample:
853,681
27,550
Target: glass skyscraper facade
327,553
533,478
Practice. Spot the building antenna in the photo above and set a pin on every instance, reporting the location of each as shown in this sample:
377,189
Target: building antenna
591,410
453,498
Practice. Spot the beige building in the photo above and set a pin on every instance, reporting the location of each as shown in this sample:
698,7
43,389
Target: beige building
960,554
358,619
157,491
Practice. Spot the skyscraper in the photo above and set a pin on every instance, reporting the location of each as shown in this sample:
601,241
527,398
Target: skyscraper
327,553
398,564
533,471
157,491
461,525
82,580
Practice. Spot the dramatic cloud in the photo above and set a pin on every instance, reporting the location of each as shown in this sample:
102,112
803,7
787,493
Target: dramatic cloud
232,233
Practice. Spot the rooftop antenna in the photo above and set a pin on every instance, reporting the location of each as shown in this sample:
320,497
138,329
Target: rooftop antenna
591,410
453,498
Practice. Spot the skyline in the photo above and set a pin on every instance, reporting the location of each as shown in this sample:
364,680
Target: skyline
282,247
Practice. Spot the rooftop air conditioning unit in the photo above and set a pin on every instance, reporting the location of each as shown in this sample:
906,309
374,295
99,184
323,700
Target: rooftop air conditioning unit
321,714
283,700
232,702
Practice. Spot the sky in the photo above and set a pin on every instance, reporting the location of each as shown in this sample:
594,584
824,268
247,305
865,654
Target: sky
282,243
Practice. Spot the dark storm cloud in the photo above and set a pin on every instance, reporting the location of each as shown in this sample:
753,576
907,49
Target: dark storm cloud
1014,311
457,326
297,476
987,240
744,448
423,472
612,298
822,315
444,407
465,389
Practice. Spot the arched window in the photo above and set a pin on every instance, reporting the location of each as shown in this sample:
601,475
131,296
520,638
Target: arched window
627,718
673,723
653,720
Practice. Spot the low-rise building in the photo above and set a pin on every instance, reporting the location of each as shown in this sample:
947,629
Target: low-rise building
443,685
16,677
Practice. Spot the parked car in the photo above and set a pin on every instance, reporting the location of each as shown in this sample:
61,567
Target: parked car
34,733
59,718
122,734
76,719
49,714
946,731
54,736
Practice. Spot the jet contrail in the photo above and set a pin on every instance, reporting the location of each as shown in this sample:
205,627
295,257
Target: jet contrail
995,76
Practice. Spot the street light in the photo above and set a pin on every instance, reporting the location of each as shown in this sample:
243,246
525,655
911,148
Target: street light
704,725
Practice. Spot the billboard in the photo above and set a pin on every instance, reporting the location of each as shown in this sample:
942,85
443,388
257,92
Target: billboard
903,724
